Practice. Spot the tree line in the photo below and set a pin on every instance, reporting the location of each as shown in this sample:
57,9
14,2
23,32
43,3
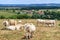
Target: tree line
47,15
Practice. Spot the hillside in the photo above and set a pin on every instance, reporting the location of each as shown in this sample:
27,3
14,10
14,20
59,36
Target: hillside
33,6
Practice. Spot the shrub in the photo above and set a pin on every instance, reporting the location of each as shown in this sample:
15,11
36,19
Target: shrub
23,16
13,17
2,17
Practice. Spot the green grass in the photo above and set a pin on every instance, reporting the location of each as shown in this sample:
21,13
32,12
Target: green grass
6,13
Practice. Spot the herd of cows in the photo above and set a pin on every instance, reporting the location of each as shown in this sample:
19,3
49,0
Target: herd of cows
29,28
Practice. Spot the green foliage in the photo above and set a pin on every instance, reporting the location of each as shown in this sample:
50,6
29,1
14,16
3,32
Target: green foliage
17,15
23,16
13,10
2,17
52,15
13,17
35,16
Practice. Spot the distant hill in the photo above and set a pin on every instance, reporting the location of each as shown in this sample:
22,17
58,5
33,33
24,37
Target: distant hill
19,5
50,5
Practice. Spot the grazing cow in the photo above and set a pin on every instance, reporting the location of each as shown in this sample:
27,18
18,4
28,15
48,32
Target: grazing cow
30,29
47,22
50,22
41,21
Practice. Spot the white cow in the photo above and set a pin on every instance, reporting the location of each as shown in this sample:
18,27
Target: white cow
5,23
40,21
30,29
47,22
50,22
12,27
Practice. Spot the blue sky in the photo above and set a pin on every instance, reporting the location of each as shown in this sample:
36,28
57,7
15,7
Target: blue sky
28,1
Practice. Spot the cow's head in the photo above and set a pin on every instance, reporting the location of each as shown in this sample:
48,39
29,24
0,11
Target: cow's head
5,23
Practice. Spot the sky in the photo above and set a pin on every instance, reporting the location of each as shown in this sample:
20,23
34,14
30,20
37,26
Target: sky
28,1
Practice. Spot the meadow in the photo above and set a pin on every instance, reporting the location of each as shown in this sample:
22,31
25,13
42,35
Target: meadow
41,33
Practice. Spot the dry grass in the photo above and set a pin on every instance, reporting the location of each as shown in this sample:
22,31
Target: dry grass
42,32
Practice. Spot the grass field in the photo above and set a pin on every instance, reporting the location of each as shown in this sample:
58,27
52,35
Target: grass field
6,13
42,32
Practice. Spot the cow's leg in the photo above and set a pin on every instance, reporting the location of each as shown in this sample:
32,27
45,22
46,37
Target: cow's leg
28,36
32,34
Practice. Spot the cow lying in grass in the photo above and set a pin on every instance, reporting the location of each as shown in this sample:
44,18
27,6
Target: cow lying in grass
12,24
16,27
